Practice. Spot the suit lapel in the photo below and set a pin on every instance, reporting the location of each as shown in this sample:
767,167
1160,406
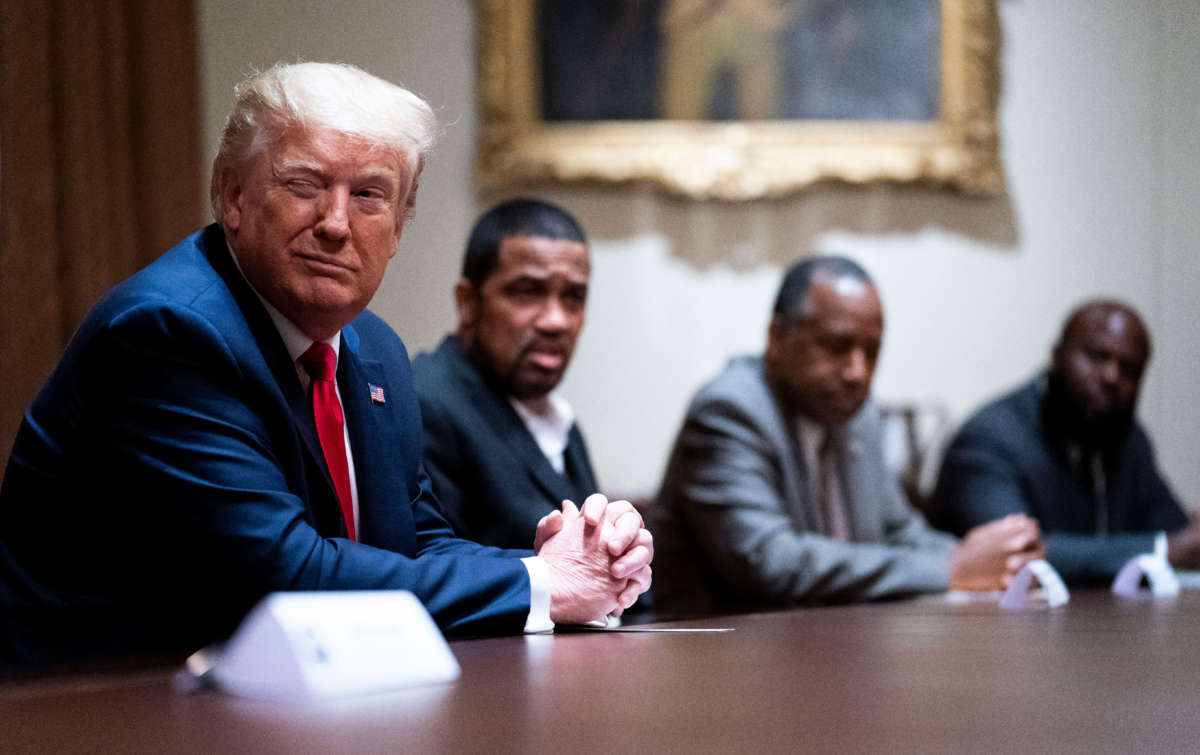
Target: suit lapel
282,369
369,425
861,486
577,466
782,432
510,431
516,438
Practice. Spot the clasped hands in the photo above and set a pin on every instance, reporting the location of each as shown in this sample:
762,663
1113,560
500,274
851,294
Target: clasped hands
599,558
991,554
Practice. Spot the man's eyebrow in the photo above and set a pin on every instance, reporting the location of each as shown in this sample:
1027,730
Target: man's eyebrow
292,167
529,278
378,175
297,166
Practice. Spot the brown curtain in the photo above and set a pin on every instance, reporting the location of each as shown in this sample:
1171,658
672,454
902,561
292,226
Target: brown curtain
99,166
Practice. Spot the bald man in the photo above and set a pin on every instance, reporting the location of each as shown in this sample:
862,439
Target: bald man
1066,449
777,494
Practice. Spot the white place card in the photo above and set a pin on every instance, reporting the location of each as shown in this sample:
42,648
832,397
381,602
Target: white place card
1016,597
297,645
1157,571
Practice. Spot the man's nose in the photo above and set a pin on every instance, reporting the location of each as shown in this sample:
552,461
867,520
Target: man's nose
1110,372
858,368
334,221
553,316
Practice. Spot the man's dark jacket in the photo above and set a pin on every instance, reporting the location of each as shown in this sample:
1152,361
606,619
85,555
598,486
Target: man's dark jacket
490,476
1014,456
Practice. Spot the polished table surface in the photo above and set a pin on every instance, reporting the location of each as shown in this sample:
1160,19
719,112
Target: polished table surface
1101,674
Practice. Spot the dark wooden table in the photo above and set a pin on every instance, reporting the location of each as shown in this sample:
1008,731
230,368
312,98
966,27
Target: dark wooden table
1098,675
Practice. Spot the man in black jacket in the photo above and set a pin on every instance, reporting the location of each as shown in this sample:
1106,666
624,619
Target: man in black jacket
501,445
1066,449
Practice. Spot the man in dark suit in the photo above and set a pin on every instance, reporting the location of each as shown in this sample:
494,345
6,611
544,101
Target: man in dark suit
1066,449
230,421
501,446
777,493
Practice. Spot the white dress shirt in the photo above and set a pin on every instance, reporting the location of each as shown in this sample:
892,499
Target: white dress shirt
552,430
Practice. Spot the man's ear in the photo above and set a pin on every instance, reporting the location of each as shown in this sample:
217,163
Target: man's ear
774,339
466,301
231,200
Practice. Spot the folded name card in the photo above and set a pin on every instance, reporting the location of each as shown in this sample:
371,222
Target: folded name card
1157,571
1017,595
296,645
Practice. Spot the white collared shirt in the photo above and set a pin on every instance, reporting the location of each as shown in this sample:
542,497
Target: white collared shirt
551,431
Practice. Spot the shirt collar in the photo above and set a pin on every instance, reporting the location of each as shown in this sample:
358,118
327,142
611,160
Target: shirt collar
560,418
551,431
293,338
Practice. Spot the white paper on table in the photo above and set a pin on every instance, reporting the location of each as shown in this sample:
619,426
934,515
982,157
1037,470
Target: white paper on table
1157,571
1016,597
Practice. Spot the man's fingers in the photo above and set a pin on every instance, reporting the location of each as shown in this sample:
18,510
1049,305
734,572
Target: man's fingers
1015,562
639,582
619,508
636,558
547,527
646,540
1022,541
625,531
643,540
593,509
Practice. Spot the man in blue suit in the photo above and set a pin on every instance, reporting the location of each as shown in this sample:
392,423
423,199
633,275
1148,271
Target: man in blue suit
231,421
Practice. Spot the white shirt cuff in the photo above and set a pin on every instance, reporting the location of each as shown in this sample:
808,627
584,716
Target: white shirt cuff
1160,545
538,619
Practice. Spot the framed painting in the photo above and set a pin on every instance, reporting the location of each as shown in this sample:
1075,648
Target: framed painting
738,99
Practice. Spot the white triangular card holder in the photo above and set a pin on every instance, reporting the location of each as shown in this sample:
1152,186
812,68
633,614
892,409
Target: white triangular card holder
296,645
1017,595
1158,573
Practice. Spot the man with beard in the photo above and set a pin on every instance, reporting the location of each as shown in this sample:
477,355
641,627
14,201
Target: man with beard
777,492
1065,449
501,445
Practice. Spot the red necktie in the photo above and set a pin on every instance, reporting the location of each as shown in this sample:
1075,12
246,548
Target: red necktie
321,364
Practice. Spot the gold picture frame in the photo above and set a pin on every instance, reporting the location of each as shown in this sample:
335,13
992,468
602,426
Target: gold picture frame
738,160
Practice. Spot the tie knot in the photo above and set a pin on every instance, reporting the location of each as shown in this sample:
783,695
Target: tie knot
319,361
828,444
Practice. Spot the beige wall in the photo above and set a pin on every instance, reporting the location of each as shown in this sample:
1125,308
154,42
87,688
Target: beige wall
1099,120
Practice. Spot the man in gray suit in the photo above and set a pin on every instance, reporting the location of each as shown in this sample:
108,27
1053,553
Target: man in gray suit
777,493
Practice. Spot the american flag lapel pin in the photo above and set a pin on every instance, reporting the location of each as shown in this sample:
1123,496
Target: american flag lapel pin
376,394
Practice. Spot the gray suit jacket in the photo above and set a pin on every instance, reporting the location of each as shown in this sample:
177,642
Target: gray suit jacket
734,525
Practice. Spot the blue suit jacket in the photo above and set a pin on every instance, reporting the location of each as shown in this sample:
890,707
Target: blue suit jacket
491,478
169,475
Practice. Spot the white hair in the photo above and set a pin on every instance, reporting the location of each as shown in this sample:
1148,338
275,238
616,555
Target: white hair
332,95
